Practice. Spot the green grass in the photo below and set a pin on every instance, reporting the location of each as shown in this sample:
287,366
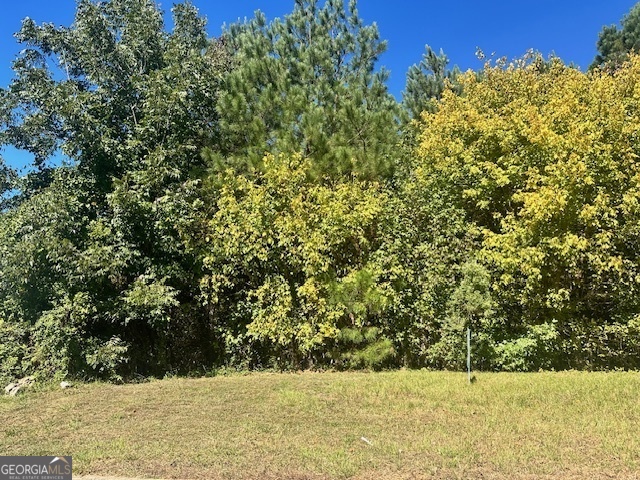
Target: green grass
309,425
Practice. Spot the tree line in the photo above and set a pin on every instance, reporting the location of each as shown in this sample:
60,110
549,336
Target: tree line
260,200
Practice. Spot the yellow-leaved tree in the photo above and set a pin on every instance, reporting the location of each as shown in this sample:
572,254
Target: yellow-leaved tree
544,161
292,276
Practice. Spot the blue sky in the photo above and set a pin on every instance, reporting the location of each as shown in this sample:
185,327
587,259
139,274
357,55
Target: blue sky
568,28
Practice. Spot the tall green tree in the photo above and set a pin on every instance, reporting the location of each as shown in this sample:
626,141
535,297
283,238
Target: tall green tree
308,129
131,106
427,80
308,83
615,43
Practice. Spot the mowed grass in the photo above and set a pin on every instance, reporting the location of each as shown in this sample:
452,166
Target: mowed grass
309,425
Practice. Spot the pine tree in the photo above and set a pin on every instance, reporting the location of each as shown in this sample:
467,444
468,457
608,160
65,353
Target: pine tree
427,80
614,44
307,83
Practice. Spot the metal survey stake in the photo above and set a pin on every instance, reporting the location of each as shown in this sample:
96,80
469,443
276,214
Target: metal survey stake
469,354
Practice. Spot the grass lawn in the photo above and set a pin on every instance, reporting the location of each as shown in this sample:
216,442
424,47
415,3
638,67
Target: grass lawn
430,425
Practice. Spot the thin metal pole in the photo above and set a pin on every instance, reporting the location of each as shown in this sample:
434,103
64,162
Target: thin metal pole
469,354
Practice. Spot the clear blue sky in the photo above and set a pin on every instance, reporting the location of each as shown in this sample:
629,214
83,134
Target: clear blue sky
568,28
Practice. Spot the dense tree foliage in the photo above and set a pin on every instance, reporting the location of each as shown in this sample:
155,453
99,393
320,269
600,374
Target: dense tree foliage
292,262
261,200
615,44
542,160
427,81
307,83
292,234
94,257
